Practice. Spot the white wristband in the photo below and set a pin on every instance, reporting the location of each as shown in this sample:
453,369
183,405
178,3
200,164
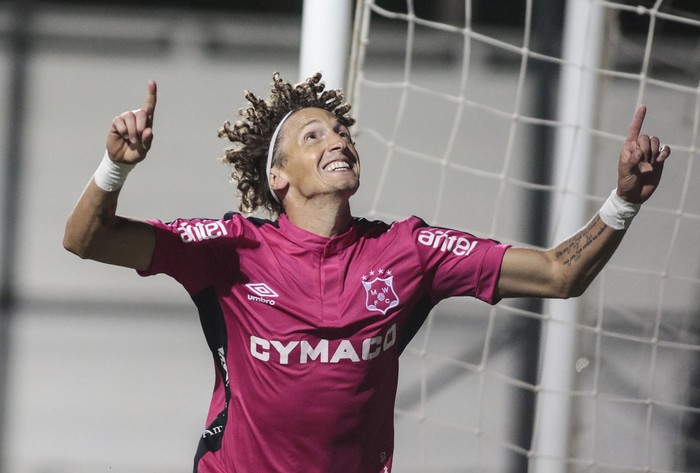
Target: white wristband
110,176
617,213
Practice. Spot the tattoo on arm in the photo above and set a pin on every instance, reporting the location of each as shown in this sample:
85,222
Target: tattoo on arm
573,249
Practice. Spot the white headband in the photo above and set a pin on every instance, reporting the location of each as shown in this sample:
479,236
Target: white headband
271,151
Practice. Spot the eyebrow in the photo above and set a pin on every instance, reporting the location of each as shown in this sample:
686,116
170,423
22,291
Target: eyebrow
310,122
337,123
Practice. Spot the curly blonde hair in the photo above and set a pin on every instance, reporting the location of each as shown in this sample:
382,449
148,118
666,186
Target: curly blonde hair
252,133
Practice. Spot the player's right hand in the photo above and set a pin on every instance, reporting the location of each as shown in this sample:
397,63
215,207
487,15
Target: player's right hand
131,133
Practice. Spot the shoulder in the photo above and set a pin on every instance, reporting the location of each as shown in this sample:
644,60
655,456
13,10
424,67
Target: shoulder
369,227
246,228
198,230
236,218
378,226
403,233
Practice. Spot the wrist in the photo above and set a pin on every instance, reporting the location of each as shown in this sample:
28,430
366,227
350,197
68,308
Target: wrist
110,176
617,213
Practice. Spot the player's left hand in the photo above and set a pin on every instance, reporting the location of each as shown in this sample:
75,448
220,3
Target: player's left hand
641,162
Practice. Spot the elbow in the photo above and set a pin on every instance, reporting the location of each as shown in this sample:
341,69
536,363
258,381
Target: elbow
578,290
571,292
566,287
74,247
76,242
575,289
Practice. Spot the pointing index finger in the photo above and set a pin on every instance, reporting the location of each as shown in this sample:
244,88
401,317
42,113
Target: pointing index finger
636,125
151,98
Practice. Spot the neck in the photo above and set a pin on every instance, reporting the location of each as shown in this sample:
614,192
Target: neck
323,218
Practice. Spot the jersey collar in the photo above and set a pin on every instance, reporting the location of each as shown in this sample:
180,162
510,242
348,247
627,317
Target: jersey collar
315,242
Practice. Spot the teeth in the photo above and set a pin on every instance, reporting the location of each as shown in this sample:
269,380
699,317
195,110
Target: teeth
335,165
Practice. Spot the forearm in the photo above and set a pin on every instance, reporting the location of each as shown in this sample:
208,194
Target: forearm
94,231
94,212
563,271
581,257
584,255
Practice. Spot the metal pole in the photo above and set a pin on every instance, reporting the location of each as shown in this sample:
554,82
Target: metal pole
325,40
583,40
19,49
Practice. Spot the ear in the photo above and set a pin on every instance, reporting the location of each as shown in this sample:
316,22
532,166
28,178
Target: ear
278,181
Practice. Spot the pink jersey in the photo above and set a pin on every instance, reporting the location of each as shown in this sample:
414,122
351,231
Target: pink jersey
306,331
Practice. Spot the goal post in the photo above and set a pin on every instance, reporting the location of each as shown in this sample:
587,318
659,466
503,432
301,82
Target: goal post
325,40
581,59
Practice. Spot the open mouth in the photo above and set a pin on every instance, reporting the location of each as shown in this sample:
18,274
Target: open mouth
336,166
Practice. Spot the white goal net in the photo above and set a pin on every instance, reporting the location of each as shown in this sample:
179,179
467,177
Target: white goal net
475,123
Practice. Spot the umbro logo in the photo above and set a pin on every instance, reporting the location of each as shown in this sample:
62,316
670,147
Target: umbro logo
262,289
262,292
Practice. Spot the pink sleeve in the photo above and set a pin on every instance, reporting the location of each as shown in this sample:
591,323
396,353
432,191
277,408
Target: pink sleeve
191,251
458,263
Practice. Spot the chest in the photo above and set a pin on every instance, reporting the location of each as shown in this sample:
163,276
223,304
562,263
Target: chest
365,284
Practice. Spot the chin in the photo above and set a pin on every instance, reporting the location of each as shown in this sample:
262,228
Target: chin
352,188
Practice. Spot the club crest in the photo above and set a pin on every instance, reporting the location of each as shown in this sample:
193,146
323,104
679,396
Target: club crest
380,294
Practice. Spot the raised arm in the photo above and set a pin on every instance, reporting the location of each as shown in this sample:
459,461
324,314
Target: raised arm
568,269
94,230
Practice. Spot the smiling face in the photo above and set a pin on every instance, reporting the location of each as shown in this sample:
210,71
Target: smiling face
319,157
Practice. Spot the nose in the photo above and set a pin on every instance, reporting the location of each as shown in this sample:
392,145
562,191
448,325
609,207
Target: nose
337,142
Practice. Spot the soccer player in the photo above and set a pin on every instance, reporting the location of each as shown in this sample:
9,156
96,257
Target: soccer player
307,313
